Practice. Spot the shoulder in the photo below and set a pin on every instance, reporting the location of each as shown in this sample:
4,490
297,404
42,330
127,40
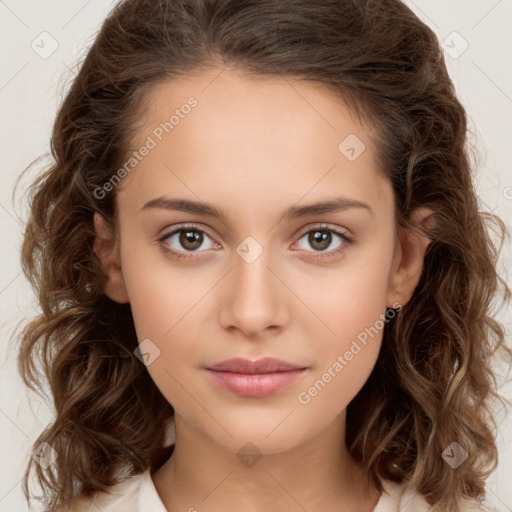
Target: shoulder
398,497
122,497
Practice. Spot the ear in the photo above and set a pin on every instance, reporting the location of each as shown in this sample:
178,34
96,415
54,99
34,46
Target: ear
408,261
107,249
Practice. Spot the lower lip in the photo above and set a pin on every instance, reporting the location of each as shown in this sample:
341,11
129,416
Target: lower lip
255,385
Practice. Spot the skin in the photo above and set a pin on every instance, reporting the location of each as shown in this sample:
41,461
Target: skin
255,148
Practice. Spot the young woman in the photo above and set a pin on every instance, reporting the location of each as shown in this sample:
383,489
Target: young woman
260,233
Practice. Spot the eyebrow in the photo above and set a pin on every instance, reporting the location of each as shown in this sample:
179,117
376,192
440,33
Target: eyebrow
294,212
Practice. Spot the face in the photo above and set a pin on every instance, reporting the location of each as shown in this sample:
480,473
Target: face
271,278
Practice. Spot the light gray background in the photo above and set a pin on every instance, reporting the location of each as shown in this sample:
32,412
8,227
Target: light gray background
31,87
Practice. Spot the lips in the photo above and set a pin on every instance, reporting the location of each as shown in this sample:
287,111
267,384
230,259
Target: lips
265,365
260,378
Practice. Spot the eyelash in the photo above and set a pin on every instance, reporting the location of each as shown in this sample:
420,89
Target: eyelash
346,240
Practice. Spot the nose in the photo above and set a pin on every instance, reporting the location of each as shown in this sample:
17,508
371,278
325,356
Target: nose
254,297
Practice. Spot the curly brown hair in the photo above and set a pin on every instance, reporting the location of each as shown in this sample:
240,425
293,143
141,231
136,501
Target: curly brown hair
433,381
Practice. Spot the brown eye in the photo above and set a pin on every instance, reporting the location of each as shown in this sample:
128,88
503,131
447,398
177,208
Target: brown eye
190,239
186,240
319,240
323,241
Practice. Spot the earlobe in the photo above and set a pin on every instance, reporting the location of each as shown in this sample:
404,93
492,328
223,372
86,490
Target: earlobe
106,249
408,262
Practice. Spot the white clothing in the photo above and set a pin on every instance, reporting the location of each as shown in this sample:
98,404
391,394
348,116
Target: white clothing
138,494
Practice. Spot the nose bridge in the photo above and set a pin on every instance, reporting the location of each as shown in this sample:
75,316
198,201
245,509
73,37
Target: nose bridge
255,297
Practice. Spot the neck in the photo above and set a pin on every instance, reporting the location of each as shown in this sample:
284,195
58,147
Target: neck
315,475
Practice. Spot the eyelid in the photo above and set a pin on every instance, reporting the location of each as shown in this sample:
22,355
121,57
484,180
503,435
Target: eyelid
182,227
335,229
347,238
346,241
300,233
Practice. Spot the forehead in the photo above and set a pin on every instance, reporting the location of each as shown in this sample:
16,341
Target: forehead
223,133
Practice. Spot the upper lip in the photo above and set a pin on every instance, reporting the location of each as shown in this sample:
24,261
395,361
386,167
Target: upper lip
264,365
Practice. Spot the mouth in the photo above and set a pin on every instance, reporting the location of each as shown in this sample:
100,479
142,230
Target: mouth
260,378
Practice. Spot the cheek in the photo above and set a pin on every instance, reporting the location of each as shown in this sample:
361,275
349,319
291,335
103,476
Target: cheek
152,302
166,303
348,300
345,356
159,293
350,308
163,303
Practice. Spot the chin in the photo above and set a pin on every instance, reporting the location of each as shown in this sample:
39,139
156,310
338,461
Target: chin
259,441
